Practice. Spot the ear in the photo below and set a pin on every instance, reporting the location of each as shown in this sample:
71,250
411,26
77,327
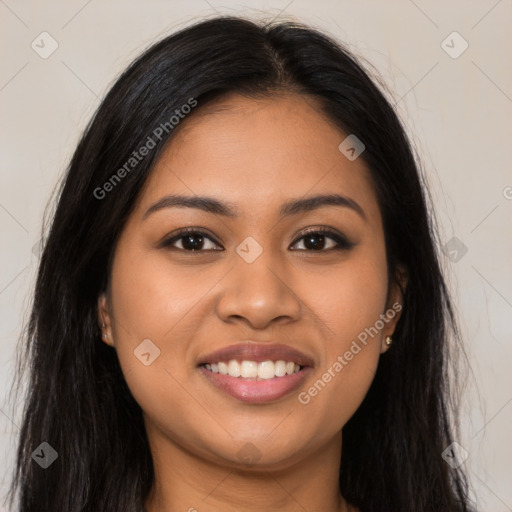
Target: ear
104,320
394,306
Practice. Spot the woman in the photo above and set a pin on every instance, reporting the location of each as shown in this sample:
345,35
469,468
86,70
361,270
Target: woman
239,304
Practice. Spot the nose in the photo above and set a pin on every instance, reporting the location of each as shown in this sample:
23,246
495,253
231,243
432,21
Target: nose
258,294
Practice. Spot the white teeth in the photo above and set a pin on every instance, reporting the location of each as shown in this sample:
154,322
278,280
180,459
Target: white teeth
253,370
280,368
266,370
234,368
249,369
223,368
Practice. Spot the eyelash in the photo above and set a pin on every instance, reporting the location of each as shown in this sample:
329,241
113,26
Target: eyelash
342,242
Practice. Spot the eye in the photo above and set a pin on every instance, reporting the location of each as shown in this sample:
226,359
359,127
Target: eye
191,240
316,240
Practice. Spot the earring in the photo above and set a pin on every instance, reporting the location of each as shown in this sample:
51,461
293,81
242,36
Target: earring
105,336
388,340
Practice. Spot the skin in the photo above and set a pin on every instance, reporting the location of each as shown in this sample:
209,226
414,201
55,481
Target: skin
255,154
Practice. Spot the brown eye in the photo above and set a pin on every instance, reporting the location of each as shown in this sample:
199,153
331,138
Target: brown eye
191,240
323,240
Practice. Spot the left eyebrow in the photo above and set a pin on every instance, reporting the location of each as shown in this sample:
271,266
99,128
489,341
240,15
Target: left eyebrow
216,207
312,203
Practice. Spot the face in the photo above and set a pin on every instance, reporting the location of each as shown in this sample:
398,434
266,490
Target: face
304,284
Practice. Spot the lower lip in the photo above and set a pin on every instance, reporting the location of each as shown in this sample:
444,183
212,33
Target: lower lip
256,391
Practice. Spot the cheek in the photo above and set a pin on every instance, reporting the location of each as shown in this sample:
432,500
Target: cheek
151,303
349,304
147,303
349,297
151,298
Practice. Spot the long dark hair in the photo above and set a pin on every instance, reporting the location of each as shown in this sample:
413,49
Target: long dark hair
77,398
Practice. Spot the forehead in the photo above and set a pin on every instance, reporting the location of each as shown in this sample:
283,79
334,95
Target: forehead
252,152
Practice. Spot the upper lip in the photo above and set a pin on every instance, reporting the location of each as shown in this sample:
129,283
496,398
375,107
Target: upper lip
258,352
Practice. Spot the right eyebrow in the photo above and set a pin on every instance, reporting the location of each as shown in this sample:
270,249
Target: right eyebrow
207,204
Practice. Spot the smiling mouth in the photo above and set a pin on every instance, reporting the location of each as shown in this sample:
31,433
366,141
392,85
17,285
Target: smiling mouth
256,373
269,380
249,370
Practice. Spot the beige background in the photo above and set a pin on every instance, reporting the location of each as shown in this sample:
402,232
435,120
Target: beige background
457,110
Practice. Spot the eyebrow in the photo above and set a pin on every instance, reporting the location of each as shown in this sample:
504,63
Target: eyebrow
216,207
